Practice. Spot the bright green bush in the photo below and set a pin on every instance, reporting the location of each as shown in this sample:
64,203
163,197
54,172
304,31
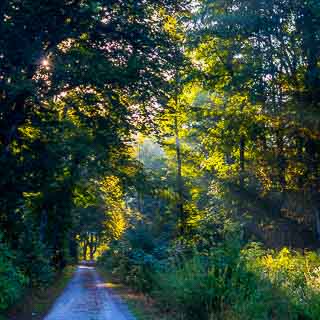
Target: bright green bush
12,281
251,284
295,275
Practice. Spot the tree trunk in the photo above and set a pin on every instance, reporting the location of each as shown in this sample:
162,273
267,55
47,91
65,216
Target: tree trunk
317,216
93,245
241,162
180,202
85,250
43,225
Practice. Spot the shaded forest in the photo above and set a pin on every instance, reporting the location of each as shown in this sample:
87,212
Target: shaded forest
175,142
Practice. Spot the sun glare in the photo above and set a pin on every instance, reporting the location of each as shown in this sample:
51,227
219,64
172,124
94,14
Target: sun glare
45,62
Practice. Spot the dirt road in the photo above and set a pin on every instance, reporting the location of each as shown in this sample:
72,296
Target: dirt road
87,298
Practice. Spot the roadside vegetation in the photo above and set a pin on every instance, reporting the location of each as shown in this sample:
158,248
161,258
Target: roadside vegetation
36,302
229,279
141,305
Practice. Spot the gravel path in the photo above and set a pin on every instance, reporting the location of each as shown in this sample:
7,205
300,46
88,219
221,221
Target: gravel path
87,298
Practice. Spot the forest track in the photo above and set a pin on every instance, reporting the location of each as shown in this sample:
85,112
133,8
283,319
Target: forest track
87,298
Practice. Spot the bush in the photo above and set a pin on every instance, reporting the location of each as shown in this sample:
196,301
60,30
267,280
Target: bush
296,275
134,259
12,281
34,259
206,286
247,284
219,277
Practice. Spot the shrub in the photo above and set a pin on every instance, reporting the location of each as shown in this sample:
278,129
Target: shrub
12,281
133,259
247,284
219,277
210,286
34,259
297,276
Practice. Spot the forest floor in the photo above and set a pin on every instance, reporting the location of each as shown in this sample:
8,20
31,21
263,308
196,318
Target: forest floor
87,297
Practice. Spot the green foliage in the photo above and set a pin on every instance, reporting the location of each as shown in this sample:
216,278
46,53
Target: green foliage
246,284
73,90
133,259
220,278
12,280
229,100
295,275
35,262
255,113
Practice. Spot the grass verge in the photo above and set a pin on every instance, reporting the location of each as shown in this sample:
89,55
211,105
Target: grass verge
141,306
37,302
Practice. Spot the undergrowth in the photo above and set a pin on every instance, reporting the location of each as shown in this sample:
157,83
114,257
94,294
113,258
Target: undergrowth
227,279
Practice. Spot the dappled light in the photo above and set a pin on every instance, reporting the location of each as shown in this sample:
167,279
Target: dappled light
45,62
86,267
109,285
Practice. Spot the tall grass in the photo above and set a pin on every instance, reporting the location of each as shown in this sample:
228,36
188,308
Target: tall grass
252,284
221,278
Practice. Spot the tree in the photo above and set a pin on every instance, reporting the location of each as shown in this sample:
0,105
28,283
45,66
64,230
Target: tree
254,52
70,89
